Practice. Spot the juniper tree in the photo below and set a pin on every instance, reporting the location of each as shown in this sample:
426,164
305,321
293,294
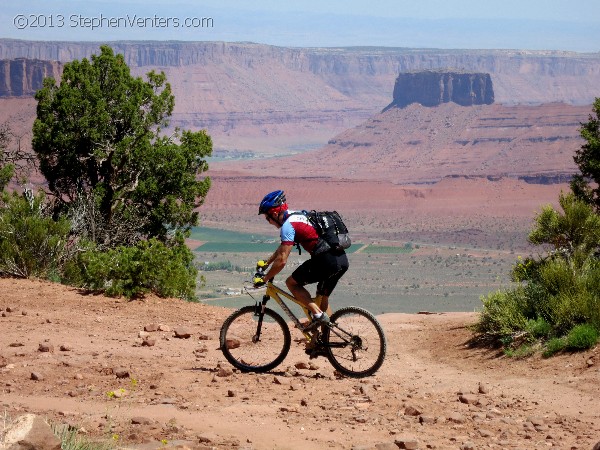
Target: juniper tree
586,185
100,142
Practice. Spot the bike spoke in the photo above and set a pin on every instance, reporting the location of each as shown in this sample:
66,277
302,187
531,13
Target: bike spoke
249,348
356,342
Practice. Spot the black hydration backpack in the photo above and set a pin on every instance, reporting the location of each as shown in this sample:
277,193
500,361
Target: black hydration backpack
331,229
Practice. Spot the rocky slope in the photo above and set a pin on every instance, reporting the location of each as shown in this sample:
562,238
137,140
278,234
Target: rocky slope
417,144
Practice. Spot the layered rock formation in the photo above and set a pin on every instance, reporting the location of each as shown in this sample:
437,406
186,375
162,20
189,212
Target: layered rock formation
420,145
434,87
363,74
22,77
273,100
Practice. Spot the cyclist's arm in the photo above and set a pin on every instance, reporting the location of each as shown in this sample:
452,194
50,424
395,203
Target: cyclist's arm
278,260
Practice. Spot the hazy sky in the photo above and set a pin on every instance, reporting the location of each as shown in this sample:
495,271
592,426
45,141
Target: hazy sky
517,24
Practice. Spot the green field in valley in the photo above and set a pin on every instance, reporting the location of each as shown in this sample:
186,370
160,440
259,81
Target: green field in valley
383,276
225,241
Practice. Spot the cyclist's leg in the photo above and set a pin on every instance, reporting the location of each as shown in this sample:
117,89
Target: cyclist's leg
303,275
301,294
338,265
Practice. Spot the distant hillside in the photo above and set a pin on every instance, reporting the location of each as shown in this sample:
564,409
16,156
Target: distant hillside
264,99
419,144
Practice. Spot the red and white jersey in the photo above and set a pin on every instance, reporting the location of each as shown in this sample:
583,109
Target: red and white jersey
296,228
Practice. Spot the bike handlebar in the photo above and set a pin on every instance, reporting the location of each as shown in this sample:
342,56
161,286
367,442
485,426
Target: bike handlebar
260,273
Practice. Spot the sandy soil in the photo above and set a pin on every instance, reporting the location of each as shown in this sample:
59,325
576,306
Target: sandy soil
433,391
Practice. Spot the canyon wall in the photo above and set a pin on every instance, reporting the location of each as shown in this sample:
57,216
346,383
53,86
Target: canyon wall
361,73
22,77
255,98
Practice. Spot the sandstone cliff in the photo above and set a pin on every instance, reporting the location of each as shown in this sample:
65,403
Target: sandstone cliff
365,74
434,87
22,77
274,100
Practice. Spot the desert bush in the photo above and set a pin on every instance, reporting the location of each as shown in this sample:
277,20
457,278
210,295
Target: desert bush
538,328
502,313
523,351
32,244
554,346
582,337
70,439
99,132
557,292
586,184
124,229
150,266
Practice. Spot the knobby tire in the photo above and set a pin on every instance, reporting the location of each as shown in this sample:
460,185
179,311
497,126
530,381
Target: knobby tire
355,343
242,350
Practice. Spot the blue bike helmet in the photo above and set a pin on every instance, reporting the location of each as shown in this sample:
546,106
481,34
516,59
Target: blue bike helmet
272,200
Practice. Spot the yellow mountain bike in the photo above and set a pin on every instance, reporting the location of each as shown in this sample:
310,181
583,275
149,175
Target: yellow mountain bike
257,339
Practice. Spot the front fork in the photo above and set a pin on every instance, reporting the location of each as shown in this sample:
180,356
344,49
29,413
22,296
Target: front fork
259,311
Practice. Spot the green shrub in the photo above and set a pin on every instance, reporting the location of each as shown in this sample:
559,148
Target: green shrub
502,313
538,328
557,276
524,269
150,266
32,244
591,283
582,337
70,439
554,346
523,351
558,294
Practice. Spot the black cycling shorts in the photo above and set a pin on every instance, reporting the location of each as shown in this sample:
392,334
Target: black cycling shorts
325,268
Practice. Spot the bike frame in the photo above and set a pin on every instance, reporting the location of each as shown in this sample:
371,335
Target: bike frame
276,293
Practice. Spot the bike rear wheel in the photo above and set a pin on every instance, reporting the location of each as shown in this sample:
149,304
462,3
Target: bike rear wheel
252,345
355,342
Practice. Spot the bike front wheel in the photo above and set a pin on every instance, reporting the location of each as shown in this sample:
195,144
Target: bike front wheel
355,342
253,343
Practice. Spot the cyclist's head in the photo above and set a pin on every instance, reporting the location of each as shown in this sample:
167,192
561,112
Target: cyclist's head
272,205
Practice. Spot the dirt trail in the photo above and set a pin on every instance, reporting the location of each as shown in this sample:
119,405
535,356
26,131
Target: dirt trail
175,390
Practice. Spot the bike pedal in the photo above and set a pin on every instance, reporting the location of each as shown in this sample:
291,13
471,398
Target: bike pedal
315,352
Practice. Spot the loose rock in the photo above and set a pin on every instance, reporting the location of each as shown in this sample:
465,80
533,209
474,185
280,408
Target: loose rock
121,373
411,411
149,342
46,348
407,443
224,372
456,418
30,432
182,333
468,399
141,421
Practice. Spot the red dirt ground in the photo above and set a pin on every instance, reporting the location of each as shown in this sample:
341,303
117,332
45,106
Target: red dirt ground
175,389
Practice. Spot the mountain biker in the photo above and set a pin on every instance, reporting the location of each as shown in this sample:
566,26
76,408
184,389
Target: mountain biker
324,268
